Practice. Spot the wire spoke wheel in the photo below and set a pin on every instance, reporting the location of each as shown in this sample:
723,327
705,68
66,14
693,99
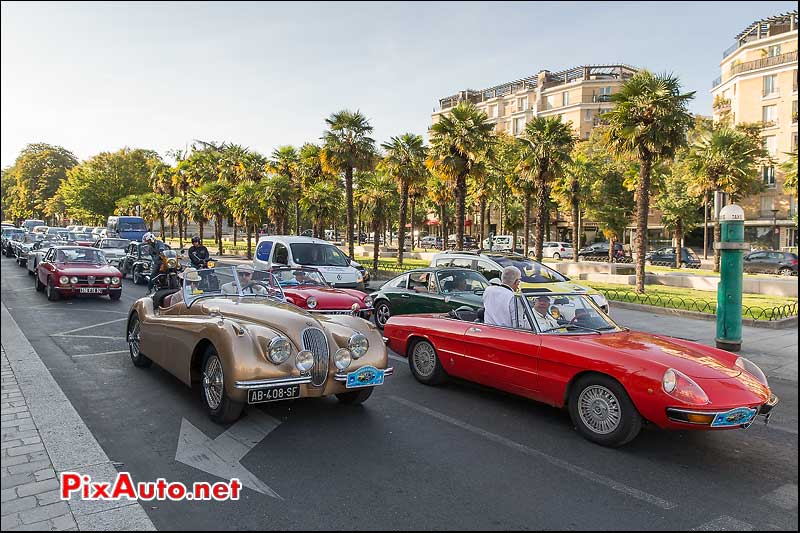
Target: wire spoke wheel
424,359
599,409
213,381
133,337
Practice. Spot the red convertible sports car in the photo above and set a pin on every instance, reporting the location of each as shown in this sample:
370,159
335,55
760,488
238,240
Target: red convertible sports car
564,351
306,287
77,270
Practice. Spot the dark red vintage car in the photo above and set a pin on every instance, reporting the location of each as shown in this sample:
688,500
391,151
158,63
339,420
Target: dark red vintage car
77,271
564,351
306,287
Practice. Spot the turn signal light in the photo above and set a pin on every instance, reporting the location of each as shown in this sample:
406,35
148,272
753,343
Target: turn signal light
696,418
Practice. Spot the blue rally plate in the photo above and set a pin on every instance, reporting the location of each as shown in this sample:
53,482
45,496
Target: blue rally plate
366,376
734,417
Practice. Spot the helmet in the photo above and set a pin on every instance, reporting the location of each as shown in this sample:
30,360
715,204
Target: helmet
196,239
148,237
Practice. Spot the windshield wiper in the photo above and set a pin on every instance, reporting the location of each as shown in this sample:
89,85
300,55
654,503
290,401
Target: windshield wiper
568,326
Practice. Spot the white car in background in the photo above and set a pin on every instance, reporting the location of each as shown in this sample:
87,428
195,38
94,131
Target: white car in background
113,249
288,250
557,250
500,243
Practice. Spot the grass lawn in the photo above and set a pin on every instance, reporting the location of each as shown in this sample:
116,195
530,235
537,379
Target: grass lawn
407,263
754,305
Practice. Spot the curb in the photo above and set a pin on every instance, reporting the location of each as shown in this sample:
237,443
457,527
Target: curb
66,438
784,323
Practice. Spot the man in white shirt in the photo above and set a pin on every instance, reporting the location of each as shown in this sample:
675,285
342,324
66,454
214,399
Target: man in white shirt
498,300
541,313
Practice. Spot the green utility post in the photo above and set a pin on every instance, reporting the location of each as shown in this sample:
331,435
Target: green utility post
729,290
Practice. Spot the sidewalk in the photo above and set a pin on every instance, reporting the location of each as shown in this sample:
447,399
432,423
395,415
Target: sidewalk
42,436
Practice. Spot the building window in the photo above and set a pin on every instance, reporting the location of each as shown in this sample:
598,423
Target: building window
588,133
519,125
770,144
767,204
794,142
587,115
605,90
492,111
769,115
794,112
774,50
565,98
550,102
770,85
768,176
522,104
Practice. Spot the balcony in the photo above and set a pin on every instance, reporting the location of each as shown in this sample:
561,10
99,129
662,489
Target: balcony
717,81
764,62
774,92
769,123
601,98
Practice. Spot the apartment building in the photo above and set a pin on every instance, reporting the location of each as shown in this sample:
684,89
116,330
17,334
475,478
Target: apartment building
758,84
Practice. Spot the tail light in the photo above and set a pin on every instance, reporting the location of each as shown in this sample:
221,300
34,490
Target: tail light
562,249
794,261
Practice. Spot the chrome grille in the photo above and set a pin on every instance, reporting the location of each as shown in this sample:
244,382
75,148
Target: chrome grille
315,341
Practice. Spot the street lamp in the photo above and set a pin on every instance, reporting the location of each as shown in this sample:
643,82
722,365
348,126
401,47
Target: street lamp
775,228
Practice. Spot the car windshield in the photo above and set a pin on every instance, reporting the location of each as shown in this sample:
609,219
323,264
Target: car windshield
81,255
114,243
532,271
315,254
132,226
242,281
297,277
74,236
32,237
561,314
454,281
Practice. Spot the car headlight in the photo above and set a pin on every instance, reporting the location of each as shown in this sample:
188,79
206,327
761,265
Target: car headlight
211,264
172,263
63,280
368,301
73,279
342,358
304,361
106,280
311,302
680,386
358,345
279,349
751,368
115,281
359,277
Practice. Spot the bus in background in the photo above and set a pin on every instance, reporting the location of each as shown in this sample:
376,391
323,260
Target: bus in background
131,228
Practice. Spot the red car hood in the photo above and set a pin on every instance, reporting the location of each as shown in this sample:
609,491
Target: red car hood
327,297
693,359
83,269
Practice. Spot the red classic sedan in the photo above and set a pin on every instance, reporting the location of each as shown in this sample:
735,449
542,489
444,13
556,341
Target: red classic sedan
306,287
564,351
77,271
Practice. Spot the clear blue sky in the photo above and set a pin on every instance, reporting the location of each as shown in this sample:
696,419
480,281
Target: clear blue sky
99,76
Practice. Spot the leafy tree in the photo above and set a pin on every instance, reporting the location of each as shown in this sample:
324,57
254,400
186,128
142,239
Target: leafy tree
285,161
547,143
502,172
460,145
609,203
440,193
789,169
275,201
405,162
196,207
245,206
571,189
127,205
679,208
216,194
348,147
93,188
378,191
649,120
513,218
322,202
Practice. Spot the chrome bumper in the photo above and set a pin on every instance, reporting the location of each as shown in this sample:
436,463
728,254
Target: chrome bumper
342,376
267,383
682,415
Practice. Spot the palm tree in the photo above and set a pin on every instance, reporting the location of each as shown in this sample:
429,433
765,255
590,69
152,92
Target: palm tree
232,167
348,147
127,204
459,143
440,193
322,202
245,206
789,169
275,200
650,119
377,190
285,161
725,159
405,162
196,207
547,143
216,194
571,189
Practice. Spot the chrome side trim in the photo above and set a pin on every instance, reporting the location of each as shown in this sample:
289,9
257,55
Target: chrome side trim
342,376
267,383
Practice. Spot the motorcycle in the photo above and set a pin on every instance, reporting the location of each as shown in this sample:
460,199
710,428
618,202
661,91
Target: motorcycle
167,277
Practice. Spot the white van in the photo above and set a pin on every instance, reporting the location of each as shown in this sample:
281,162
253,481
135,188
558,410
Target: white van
333,264
500,243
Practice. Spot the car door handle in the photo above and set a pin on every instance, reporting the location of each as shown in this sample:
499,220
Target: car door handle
474,330
405,296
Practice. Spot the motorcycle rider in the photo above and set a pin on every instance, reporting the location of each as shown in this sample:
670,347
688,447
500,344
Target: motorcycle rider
198,254
155,249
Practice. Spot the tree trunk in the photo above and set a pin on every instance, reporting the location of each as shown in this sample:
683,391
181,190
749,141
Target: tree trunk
348,181
576,235
461,201
547,222
413,209
443,224
678,243
482,235
642,209
611,242
360,209
180,230
249,241
705,225
200,223
717,238
527,226
376,227
219,232
541,214
235,233
163,225
297,213
171,227
401,233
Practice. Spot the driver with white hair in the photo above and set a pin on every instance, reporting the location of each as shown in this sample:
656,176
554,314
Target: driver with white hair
245,275
498,300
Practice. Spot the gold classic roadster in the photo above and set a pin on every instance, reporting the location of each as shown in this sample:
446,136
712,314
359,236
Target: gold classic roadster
231,330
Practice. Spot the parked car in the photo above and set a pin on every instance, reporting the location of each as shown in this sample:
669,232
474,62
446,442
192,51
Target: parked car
536,276
38,251
40,229
8,239
557,250
54,231
470,242
431,241
306,287
82,238
361,268
771,262
246,348
666,257
429,290
284,250
499,243
31,223
599,252
77,271
24,246
113,249
136,262
610,379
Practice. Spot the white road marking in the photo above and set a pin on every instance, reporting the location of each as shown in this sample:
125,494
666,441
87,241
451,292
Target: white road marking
724,523
99,353
59,307
784,497
90,337
88,327
560,463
